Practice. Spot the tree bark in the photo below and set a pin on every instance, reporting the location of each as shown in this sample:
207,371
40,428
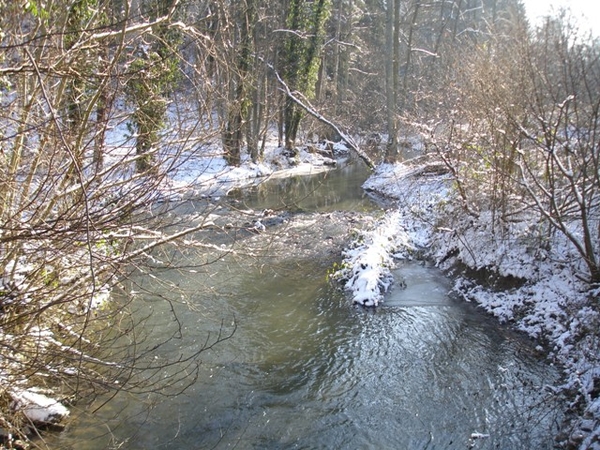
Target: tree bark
391,78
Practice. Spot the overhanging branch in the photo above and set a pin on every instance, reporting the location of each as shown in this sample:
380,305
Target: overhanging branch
306,106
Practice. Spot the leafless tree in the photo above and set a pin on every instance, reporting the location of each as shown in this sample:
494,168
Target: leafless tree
522,139
76,217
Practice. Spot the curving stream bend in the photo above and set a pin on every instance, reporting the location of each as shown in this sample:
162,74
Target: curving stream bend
307,370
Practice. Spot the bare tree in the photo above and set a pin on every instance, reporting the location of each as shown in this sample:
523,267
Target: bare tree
522,141
72,231
558,161
392,75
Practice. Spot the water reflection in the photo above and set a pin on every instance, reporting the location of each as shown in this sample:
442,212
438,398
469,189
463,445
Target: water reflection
308,371
327,191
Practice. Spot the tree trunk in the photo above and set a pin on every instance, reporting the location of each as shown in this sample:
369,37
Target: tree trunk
302,59
391,78
409,44
240,106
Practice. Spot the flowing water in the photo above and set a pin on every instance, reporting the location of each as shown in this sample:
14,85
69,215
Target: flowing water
305,369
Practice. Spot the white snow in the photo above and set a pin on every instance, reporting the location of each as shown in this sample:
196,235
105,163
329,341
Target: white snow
401,233
206,172
368,264
38,408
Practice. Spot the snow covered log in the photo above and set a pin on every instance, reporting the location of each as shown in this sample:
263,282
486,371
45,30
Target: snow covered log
38,408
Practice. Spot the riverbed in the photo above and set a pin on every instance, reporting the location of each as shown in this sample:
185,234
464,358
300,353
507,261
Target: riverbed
307,369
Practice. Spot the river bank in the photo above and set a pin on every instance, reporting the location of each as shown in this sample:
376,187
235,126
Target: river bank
522,283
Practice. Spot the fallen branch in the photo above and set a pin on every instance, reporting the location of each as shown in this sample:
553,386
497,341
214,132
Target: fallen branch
306,106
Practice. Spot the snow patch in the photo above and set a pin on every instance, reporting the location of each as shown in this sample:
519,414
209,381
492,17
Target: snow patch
398,235
38,408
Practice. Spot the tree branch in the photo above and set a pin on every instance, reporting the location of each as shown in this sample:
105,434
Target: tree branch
313,112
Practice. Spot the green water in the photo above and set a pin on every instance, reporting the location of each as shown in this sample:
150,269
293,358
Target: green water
305,369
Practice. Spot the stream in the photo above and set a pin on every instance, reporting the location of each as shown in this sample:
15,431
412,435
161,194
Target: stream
307,370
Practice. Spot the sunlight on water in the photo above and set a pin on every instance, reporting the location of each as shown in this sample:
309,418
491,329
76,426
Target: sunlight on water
425,286
306,369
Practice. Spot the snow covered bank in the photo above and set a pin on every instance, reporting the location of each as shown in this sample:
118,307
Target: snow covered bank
550,302
38,408
400,234
546,297
32,409
206,172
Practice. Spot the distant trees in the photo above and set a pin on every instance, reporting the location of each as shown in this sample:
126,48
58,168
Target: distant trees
426,44
249,37
392,76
